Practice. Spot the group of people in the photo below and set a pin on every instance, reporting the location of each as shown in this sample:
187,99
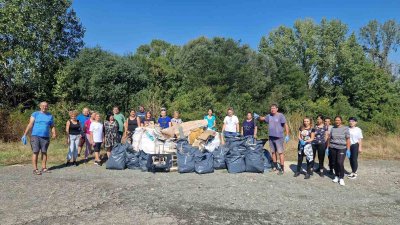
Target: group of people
86,129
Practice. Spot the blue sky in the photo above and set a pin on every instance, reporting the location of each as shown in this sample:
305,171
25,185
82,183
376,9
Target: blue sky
121,26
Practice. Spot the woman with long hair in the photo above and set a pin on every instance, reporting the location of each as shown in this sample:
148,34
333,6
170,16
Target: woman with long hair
111,128
319,144
306,137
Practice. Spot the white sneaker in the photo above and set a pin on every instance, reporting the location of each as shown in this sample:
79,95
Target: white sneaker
335,180
354,176
341,182
350,175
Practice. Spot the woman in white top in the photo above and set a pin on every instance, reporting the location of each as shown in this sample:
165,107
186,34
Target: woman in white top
231,124
356,137
96,137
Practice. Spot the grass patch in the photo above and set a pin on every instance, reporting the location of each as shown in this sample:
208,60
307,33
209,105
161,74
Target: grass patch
387,148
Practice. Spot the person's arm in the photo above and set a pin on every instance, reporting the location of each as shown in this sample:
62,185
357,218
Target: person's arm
261,118
312,137
255,131
241,131
125,130
91,138
299,136
360,145
67,131
215,123
237,127
287,129
223,128
348,143
29,126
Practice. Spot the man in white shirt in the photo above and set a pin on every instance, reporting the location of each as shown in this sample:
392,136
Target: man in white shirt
231,124
356,137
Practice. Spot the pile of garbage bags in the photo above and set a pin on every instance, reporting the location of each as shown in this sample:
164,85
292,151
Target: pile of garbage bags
237,155
197,150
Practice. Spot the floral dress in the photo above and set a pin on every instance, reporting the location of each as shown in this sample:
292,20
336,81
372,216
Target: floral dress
110,133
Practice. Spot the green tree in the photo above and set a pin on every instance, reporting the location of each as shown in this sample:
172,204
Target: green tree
36,38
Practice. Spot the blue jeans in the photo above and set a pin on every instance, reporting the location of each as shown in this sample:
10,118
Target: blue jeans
228,134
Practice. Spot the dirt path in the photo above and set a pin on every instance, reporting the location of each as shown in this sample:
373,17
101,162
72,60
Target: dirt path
89,194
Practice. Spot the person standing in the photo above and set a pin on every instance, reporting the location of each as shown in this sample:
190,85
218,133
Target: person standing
276,126
96,137
86,128
327,122
74,130
110,133
339,145
148,120
130,125
211,120
119,117
141,114
176,120
306,137
249,126
164,121
319,144
82,118
356,137
40,122
231,124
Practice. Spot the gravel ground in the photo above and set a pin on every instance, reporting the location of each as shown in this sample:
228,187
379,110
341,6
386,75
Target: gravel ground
89,194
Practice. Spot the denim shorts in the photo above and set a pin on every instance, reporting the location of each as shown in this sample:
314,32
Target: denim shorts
276,144
39,144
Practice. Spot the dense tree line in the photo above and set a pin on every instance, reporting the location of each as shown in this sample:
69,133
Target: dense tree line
309,68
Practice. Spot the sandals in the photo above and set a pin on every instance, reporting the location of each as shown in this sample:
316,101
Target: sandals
37,172
45,170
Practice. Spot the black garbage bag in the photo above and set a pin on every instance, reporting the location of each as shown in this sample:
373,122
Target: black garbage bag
132,160
254,161
143,159
219,155
186,156
267,160
235,161
117,157
204,163
235,141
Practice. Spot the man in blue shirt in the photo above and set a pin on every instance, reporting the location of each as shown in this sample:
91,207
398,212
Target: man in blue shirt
40,122
82,118
164,120
141,113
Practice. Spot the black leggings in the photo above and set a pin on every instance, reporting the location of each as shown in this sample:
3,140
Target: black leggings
300,161
354,157
320,149
338,156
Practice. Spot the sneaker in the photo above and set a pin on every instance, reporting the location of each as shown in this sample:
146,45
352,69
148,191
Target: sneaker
335,180
296,174
75,163
321,173
96,163
341,182
67,164
307,176
280,172
352,176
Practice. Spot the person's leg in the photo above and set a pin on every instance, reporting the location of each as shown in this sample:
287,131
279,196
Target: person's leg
76,146
332,161
315,150
300,156
97,152
70,149
273,148
280,150
35,160
88,149
354,157
321,157
341,155
108,152
44,144
44,160
332,153
81,143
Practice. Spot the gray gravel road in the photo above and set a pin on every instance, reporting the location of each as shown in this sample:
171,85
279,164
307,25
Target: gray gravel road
93,195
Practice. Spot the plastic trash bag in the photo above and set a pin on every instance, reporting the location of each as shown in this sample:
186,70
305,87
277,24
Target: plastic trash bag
143,159
214,143
267,160
235,161
254,161
204,163
136,137
185,156
219,155
148,141
132,160
117,157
